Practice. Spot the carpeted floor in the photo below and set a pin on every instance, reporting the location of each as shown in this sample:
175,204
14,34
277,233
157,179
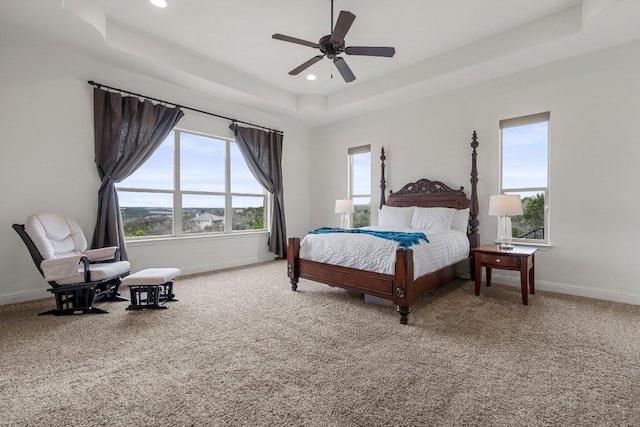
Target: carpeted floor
240,348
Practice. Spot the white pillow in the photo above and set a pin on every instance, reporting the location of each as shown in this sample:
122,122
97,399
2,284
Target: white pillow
432,218
461,220
392,216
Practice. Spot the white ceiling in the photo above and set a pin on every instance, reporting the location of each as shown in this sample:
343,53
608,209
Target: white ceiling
224,49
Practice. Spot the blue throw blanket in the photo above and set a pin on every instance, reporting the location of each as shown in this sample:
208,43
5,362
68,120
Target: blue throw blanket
404,239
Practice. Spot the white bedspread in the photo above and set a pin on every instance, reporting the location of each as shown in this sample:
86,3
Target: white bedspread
366,252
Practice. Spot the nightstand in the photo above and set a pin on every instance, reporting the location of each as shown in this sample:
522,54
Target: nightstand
520,258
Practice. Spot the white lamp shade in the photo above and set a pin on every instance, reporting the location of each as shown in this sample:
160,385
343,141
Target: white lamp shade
344,206
505,204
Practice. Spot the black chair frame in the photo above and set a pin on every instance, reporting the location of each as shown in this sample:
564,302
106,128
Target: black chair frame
77,298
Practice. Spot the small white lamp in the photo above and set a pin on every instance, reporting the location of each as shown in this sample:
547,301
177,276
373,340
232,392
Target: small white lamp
344,207
504,206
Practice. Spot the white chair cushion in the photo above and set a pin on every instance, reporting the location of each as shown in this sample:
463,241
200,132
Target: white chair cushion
152,276
97,272
55,236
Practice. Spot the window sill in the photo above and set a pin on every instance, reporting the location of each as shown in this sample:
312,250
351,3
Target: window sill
175,239
541,246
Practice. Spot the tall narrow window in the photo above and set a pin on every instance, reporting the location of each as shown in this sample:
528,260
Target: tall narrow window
360,185
525,171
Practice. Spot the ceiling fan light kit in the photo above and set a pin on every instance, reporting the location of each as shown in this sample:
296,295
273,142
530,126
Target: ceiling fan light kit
333,45
159,3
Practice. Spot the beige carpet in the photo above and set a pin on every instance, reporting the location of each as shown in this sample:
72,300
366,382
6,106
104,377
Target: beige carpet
240,348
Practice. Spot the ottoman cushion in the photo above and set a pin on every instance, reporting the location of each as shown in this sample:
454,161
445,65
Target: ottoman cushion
151,276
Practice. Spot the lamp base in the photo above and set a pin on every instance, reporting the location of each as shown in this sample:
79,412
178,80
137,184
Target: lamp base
504,233
344,220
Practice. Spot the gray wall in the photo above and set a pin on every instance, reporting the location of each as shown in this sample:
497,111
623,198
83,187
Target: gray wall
594,102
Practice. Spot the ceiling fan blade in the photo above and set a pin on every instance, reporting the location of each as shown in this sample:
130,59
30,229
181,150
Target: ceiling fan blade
306,65
345,19
294,40
344,69
387,52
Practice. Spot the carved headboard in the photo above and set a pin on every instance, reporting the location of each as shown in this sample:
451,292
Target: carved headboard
428,194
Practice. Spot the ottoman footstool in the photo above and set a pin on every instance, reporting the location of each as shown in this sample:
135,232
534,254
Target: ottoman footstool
151,288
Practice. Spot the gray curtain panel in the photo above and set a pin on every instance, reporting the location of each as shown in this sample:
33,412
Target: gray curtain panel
127,132
262,151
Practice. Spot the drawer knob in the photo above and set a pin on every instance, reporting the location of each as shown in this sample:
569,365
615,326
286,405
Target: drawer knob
498,260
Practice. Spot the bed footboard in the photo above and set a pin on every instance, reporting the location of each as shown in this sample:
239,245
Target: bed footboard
394,287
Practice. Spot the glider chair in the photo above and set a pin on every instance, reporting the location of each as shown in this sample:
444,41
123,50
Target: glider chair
78,276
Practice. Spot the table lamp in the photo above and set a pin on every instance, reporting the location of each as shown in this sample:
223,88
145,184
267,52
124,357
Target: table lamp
344,207
504,206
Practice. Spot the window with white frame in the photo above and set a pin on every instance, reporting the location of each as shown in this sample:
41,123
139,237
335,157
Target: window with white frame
360,185
203,178
525,171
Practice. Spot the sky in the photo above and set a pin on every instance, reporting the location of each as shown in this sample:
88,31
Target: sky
361,177
525,154
202,161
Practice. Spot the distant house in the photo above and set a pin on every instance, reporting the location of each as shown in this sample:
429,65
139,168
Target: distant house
207,219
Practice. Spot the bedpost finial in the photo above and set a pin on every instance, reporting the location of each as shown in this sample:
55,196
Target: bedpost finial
474,140
383,181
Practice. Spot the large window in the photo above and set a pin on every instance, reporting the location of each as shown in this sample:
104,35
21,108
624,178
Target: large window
204,179
525,171
360,185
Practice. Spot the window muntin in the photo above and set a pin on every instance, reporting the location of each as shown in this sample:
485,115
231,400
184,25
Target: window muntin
360,185
203,169
525,171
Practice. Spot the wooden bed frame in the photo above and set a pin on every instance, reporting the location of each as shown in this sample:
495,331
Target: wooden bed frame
399,287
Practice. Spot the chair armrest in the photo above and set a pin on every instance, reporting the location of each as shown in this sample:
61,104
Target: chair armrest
62,268
102,254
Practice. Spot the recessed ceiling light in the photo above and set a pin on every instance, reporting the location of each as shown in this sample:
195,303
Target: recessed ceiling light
159,3
311,76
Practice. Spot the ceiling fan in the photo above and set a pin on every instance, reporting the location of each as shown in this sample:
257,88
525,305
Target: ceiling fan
333,45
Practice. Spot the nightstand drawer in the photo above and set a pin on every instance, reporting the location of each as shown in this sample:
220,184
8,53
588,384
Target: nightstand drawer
498,261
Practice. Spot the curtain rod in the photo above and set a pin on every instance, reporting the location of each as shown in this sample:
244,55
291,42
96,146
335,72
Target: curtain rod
100,85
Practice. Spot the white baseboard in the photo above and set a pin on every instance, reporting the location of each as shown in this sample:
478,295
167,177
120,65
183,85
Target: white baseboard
204,268
563,288
17,297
